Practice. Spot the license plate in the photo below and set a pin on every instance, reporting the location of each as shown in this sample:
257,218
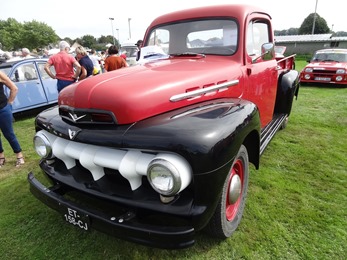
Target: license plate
76,218
322,79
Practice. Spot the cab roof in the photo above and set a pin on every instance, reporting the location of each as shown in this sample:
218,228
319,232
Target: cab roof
238,11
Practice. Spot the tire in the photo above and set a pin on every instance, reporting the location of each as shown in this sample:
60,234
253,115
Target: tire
228,213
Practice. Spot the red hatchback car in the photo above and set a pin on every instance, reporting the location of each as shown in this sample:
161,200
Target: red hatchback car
326,66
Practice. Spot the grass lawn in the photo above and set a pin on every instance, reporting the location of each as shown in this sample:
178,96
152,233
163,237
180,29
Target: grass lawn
296,206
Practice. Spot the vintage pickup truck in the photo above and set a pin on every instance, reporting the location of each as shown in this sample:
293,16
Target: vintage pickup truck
155,152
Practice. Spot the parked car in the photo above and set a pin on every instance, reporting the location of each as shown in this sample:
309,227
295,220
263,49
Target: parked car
326,66
35,87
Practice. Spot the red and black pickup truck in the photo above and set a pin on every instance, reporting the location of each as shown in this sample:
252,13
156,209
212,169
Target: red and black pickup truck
155,152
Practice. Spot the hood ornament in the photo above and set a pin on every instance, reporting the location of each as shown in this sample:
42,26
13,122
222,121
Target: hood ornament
72,133
75,118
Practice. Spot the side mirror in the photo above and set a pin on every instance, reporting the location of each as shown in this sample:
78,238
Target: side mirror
268,51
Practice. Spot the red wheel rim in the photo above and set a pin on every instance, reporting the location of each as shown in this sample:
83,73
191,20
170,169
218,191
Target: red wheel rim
232,207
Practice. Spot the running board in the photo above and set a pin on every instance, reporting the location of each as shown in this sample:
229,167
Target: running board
269,131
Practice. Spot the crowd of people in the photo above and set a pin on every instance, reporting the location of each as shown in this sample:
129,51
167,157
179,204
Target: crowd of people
24,53
83,65
103,61
70,69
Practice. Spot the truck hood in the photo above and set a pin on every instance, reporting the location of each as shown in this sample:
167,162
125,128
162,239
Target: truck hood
142,91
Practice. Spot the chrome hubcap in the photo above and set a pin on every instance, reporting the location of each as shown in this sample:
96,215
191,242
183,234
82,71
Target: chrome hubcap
234,189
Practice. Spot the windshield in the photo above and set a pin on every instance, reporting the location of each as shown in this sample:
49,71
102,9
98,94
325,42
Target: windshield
213,36
330,56
129,51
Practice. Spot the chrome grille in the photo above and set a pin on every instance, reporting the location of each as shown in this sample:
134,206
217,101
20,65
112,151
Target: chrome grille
87,116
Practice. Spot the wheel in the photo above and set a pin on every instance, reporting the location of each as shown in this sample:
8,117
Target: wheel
231,204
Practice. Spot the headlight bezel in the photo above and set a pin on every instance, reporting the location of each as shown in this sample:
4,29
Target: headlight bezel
308,70
339,78
168,169
47,153
307,76
340,71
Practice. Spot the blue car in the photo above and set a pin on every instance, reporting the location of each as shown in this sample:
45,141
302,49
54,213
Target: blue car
35,87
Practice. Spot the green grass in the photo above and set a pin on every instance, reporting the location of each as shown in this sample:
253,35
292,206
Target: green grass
296,206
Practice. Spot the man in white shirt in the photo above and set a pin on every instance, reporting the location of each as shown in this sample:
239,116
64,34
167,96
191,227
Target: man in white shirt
96,62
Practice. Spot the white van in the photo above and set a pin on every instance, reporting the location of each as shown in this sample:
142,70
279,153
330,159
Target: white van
130,51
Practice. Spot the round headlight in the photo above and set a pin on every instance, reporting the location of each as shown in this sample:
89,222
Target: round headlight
338,78
307,76
42,146
340,71
309,70
164,177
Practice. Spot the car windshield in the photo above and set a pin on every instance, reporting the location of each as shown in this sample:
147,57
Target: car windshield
197,37
330,56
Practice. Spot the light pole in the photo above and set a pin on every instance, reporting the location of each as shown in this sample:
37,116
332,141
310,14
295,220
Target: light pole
111,18
129,28
314,17
118,34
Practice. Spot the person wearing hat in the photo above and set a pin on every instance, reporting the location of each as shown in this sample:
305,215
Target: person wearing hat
64,65
138,54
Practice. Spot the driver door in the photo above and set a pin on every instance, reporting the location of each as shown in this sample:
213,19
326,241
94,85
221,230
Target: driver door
30,92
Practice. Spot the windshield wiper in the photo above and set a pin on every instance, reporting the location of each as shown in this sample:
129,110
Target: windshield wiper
187,54
329,60
154,55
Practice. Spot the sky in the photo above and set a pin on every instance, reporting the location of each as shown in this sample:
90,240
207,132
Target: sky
75,19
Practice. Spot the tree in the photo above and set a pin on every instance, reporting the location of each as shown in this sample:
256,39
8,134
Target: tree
293,31
106,39
38,35
88,41
321,25
11,32
340,33
280,32
69,40
32,35
290,31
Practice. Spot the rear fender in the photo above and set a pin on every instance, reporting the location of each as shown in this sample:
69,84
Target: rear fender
288,87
